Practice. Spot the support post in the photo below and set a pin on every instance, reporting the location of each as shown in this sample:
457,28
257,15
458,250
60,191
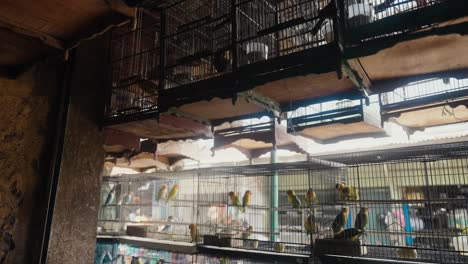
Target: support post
274,197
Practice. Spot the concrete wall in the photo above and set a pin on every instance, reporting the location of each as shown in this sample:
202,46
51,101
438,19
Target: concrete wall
73,232
27,121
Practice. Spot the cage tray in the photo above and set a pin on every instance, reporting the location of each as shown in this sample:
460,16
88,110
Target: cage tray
339,247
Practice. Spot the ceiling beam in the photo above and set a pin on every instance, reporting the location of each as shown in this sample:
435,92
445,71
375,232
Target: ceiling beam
44,38
176,112
357,76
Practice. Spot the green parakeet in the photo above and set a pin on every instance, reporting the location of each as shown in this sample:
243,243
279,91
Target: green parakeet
162,193
294,200
172,193
340,220
310,197
247,199
362,219
235,200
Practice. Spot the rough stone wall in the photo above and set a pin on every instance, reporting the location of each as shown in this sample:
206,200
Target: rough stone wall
26,104
73,232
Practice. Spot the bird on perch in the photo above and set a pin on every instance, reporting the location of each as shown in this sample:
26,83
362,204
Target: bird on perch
346,193
247,199
194,235
162,193
235,200
311,224
362,219
110,196
310,197
294,200
340,220
172,193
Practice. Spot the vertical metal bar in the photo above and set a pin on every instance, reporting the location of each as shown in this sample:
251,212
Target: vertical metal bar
234,35
162,58
273,197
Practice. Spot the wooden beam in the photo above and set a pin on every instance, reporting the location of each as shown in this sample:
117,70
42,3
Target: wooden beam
44,38
356,78
176,112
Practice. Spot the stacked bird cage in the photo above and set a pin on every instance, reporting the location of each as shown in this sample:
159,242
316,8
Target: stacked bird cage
405,204
134,54
197,40
159,206
263,207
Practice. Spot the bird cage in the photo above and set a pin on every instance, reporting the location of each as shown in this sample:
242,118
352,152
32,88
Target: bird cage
122,252
263,207
416,200
426,103
134,67
197,38
206,39
158,206
336,120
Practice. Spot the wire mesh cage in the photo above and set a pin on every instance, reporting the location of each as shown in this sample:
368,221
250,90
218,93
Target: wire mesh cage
406,204
336,120
160,206
361,12
205,39
134,52
435,101
261,207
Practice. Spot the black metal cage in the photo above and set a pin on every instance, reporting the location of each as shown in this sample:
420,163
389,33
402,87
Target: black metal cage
134,71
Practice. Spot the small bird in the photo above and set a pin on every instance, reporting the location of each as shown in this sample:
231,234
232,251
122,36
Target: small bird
172,193
162,194
362,219
107,258
234,200
247,199
110,196
279,247
247,232
340,220
127,198
310,197
348,234
407,253
294,200
168,226
221,62
194,235
346,193
311,225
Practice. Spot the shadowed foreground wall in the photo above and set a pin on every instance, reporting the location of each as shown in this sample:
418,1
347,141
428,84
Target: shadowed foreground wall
27,122
73,231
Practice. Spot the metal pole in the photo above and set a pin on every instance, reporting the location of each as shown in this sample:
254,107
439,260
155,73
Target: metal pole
274,198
